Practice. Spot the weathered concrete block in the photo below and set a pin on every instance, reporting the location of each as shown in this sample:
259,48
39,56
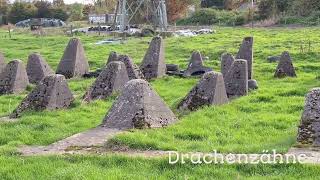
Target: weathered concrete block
50,94
133,70
113,56
309,129
226,62
73,62
172,67
112,79
14,78
2,63
209,91
153,64
236,80
37,68
246,53
138,106
285,66
252,84
195,66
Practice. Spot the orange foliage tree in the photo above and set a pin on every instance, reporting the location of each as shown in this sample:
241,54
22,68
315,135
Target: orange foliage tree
177,9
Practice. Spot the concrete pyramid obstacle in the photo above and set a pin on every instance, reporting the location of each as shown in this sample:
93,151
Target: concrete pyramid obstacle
227,60
309,129
246,53
133,70
113,56
51,93
14,78
138,106
111,79
153,64
195,66
73,62
236,80
37,68
285,66
209,91
2,62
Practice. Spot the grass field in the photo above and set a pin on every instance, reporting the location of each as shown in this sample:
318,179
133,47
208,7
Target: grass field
266,119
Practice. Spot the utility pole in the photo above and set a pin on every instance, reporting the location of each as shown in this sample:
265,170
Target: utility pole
115,17
252,15
123,8
129,9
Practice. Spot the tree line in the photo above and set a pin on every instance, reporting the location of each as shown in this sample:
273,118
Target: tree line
269,8
21,10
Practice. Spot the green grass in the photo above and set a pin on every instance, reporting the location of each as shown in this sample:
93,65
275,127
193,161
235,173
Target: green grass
117,167
266,119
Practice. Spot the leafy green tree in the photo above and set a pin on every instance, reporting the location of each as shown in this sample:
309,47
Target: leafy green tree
43,9
305,7
21,11
59,13
268,8
4,8
87,9
75,11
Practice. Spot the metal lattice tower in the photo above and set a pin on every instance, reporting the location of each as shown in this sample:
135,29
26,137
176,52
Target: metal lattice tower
127,10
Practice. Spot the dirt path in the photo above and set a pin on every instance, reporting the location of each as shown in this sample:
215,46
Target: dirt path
93,142
85,140
6,119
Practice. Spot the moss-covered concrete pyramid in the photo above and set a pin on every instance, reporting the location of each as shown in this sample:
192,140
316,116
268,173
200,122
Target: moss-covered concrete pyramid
51,93
14,78
309,128
133,70
37,68
236,80
2,62
209,91
73,62
153,64
111,79
138,106
285,66
196,66
227,60
246,53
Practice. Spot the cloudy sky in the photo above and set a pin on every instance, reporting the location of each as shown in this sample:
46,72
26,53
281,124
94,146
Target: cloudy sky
68,1
78,1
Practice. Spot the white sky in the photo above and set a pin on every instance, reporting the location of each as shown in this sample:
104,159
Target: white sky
66,1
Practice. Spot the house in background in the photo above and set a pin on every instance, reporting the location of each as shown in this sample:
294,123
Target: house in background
102,18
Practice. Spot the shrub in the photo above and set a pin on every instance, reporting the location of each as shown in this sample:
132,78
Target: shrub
213,16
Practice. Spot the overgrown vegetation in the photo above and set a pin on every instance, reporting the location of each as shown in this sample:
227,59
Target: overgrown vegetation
22,10
266,119
213,16
304,12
